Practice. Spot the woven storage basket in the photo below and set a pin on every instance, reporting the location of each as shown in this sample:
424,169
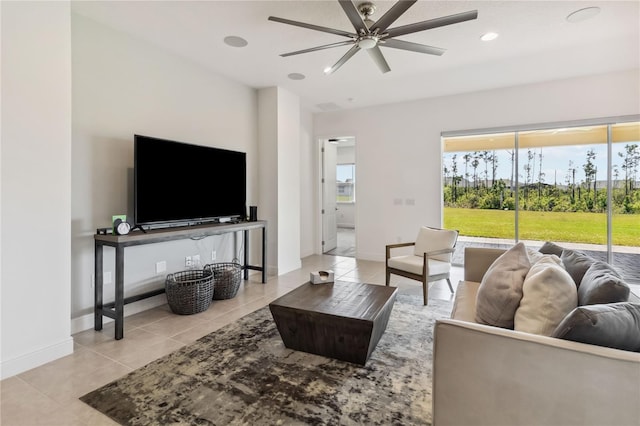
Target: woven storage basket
226,278
189,292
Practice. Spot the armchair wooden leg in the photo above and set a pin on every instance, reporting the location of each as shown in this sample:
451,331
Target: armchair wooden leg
388,276
450,286
425,292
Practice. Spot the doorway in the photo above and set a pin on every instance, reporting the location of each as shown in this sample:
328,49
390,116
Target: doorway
338,196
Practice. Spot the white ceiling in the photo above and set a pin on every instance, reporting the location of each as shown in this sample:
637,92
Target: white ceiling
536,44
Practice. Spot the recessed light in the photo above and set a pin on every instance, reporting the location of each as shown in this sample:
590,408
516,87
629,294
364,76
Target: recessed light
235,41
489,36
296,76
583,14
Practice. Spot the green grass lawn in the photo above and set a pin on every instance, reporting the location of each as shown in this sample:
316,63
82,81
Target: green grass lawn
588,228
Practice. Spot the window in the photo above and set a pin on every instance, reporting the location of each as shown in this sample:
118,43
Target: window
345,182
575,184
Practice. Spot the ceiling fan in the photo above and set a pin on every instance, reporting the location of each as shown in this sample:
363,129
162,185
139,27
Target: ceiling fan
370,35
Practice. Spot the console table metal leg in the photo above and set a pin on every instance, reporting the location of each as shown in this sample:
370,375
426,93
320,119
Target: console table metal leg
264,254
97,287
119,305
245,235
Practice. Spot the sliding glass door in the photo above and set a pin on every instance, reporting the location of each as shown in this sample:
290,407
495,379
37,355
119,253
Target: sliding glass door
576,185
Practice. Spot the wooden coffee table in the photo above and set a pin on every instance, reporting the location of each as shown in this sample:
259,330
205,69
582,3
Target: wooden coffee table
340,320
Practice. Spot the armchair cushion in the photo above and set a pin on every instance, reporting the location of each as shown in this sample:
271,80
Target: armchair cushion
413,264
432,239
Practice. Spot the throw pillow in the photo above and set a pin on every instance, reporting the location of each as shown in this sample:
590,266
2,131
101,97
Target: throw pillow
602,284
615,325
500,290
535,256
548,295
551,248
432,239
576,263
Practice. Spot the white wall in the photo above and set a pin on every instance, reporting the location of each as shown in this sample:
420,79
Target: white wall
399,149
308,178
279,148
36,184
122,86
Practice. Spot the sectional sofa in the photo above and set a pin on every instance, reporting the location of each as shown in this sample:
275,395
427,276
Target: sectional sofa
486,374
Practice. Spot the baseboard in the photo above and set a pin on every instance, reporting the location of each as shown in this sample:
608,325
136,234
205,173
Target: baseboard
85,322
36,358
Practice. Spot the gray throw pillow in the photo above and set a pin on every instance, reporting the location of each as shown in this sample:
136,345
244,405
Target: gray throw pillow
576,263
500,291
602,284
551,248
614,325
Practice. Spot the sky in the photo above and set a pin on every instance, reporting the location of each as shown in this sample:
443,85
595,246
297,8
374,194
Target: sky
555,162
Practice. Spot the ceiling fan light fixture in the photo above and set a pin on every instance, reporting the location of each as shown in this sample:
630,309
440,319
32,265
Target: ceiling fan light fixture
489,36
367,42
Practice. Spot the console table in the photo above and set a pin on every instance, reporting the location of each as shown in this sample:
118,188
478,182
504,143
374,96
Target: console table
115,309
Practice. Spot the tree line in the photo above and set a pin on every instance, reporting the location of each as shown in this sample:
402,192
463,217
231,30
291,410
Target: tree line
477,184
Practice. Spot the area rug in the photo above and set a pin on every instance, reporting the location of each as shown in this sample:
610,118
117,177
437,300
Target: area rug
243,375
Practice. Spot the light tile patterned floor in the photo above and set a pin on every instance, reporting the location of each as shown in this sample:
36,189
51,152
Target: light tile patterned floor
48,395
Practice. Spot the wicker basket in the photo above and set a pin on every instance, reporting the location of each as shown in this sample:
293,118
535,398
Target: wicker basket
226,278
189,292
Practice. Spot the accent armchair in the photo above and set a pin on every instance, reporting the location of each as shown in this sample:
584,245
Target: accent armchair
430,261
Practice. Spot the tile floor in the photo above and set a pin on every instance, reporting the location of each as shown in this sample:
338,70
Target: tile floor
48,395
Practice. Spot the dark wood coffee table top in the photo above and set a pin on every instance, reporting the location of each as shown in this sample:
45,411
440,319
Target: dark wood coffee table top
345,299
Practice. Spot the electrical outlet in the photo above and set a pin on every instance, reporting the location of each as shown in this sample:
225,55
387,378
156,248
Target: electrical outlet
188,261
195,260
213,255
161,267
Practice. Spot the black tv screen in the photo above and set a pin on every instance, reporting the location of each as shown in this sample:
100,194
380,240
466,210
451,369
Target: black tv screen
176,182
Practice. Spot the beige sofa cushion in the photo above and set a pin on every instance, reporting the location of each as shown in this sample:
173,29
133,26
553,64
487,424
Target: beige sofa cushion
548,295
501,288
464,305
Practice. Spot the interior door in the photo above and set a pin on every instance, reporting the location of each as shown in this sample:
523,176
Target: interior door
329,220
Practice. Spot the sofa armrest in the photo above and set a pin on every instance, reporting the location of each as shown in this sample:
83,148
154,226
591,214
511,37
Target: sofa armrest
485,375
477,260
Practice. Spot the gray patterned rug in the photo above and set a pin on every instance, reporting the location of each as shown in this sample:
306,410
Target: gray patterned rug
243,375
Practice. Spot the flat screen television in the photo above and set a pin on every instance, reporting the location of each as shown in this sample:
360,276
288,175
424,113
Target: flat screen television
182,183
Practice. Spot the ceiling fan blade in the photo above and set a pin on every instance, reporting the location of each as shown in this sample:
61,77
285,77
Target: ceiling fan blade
344,59
377,57
313,49
414,47
432,23
353,15
392,14
313,27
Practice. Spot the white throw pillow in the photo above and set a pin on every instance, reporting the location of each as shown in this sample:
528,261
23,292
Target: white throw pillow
548,296
500,291
432,239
